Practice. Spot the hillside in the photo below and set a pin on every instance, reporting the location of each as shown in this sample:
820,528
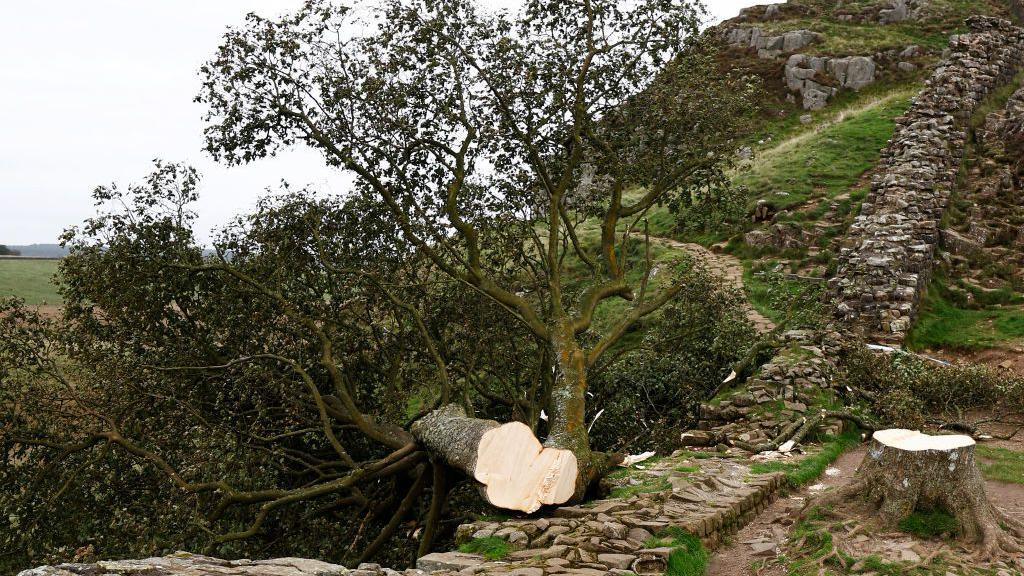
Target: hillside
836,389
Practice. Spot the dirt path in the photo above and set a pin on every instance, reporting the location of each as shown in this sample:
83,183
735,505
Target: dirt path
760,539
728,268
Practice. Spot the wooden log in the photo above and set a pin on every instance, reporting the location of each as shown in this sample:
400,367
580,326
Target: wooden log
516,472
906,470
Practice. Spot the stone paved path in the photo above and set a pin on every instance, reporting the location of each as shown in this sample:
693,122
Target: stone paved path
707,497
725,266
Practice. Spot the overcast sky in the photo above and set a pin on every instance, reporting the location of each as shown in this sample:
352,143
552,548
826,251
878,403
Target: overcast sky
91,92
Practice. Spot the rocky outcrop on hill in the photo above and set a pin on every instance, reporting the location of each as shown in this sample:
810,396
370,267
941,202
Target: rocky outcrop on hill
887,258
770,46
885,12
817,79
1013,135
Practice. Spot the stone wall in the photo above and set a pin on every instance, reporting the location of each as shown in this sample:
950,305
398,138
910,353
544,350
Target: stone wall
709,498
886,260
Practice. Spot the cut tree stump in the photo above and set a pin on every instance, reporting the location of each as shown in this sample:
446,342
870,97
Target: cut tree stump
906,470
514,469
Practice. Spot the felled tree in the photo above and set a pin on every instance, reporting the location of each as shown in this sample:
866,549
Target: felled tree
458,120
282,383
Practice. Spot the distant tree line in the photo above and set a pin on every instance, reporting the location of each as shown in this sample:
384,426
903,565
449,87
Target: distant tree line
5,251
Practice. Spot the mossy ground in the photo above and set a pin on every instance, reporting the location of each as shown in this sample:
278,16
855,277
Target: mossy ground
929,524
491,547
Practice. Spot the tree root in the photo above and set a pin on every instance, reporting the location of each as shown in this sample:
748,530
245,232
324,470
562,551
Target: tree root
899,480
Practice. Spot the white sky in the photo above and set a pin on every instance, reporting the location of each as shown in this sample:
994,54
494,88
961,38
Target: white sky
91,92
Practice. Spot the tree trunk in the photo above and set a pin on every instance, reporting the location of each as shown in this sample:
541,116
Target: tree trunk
516,471
906,470
567,428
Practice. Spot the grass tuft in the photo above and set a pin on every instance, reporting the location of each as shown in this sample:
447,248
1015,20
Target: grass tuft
491,547
688,557
929,524
811,467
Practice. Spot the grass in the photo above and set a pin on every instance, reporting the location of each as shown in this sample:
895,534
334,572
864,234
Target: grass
698,455
811,467
826,162
648,486
688,557
687,469
848,38
31,280
491,547
944,324
929,524
1001,464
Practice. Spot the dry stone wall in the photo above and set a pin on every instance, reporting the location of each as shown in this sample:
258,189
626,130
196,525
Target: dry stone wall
886,260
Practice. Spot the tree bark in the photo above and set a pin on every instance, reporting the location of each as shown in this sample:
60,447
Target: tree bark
905,470
516,471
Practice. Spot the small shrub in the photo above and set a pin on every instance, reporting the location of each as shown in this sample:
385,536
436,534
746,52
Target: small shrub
491,547
905,386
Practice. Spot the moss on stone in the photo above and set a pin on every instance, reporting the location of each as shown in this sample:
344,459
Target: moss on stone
491,547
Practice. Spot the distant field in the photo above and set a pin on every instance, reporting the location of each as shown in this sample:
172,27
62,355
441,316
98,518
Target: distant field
29,279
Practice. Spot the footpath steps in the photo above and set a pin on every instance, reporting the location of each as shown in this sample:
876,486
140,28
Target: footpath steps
709,498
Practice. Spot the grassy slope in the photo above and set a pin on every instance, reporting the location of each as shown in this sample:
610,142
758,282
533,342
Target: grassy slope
828,159
810,169
848,38
29,279
943,324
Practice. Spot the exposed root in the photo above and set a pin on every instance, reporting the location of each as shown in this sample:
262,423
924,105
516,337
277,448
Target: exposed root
833,497
927,560
898,480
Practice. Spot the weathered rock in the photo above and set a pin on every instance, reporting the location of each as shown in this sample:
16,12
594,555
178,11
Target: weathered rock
767,47
185,564
817,79
620,561
448,561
